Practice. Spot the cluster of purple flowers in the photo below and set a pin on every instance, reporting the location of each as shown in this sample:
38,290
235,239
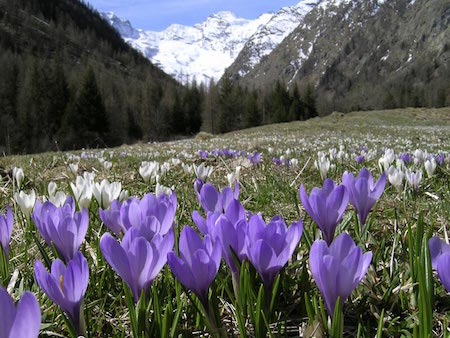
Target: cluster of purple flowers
241,234
147,225
66,284
143,241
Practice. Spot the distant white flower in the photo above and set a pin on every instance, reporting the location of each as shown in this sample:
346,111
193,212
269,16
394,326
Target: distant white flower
395,176
165,167
430,166
18,176
162,190
288,152
148,170
51,189
270,150
82,190
25,201
323,165
419,156
175,161
294,162
386,160
73,167
414,178
58,199
233,177
187,168
202,172
107,165
106,192
123,195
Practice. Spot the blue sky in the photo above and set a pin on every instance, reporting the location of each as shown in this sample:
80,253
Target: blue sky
158,14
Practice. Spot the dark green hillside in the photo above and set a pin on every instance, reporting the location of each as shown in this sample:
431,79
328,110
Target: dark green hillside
70,81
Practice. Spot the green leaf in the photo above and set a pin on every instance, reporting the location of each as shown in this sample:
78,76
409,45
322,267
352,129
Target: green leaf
337,323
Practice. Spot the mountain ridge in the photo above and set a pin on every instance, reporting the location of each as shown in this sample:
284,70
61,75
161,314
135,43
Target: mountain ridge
212,45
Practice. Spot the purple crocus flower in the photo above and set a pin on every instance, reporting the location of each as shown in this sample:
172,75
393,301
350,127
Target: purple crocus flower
337,269
211,200
136,260
440,159
203,154
271,246
151,215
406,158
66,286
360,159
231,229
277,161
111,218
363,192
198,184
198,263
23,322
326,206
61,226
440,259
255,158
6,225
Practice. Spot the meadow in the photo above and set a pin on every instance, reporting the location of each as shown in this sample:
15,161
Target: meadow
399,294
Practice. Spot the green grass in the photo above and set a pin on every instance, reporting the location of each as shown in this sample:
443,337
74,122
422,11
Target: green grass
390,286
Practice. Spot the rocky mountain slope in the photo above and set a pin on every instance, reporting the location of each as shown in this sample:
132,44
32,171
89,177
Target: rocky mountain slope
363,54
204,50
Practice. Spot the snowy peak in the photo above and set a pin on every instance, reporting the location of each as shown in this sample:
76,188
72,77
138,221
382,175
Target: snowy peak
265,39
122,26
203,51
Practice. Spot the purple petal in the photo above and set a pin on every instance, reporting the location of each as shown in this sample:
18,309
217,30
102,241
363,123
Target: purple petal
8,313
28,318
443,269
437,248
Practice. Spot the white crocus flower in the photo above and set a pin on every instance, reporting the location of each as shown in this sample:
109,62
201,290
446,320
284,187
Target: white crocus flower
51,189
202,172
82,190
294,162
162,190
175,161
395,176
414,178
106,192
73,167
26,201
430,167
148,171
18,176
58,199
123,195
270,150
323,165
419,156
186,168
107,165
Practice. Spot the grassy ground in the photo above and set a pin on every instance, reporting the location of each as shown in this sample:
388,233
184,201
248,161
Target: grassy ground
391,283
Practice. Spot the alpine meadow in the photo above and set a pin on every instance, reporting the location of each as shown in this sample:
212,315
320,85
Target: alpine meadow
281,176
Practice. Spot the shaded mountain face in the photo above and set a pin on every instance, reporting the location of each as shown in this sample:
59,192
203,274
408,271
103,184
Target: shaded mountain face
204,50
363,54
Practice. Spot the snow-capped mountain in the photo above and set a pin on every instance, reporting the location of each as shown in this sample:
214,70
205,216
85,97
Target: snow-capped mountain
205,50
280,25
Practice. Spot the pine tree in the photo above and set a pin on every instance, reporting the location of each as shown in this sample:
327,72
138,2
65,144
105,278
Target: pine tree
309,99
252,115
